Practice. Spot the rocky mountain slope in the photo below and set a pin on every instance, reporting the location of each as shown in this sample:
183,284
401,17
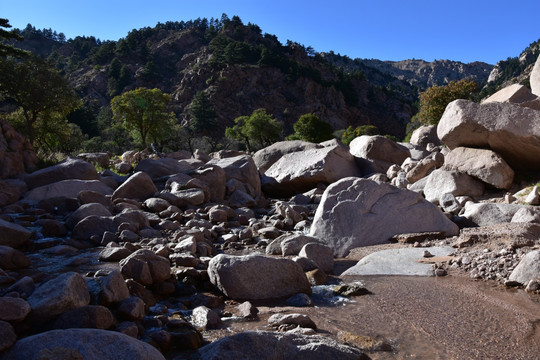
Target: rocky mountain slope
236,65
513,70
418,73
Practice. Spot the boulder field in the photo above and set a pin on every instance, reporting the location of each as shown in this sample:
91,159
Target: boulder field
155,263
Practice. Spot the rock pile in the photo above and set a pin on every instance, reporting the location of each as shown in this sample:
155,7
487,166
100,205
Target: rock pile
164,253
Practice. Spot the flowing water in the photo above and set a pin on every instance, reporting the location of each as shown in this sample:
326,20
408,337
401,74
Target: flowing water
431,318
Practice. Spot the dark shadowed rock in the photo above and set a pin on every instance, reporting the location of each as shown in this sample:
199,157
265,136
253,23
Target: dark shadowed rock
358,212
67,189
243,169
145,267
69,169
87,344
13,309
12,259
90,316
138,186
272,345
87,210
63,293
156,168
7,336
13,235
113,289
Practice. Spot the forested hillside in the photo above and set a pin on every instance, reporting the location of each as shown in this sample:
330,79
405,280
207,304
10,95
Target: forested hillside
235,66
213,71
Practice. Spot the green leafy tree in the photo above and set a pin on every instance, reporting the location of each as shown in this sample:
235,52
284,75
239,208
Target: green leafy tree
310,127
203,116
144,113
351,132
260,128
434,100
9,50
43,95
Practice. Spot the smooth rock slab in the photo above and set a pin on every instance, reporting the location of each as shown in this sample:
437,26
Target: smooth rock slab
397,262
87,344
301,171
358,212
261,345
255,277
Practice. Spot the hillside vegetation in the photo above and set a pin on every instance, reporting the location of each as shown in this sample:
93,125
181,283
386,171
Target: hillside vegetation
230,70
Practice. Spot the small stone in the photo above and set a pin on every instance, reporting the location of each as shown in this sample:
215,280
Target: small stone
427,254
351,290
302,320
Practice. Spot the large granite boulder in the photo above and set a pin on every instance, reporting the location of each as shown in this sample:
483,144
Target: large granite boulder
535,78
272,345
63,293
69,169
145,267
85,211
242,172
358,212
425,135
485,214
67,189
264,158
515,94
138,186
257,277
441,182
301,171
87,344
376,154
214,178
510,130
482,164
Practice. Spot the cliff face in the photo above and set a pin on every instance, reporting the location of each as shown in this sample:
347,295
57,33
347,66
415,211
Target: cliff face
423,74
516,70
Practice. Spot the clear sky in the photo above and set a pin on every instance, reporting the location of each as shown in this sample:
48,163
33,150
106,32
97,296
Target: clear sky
472,30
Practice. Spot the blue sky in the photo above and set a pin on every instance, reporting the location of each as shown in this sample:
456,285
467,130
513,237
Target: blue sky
473,30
